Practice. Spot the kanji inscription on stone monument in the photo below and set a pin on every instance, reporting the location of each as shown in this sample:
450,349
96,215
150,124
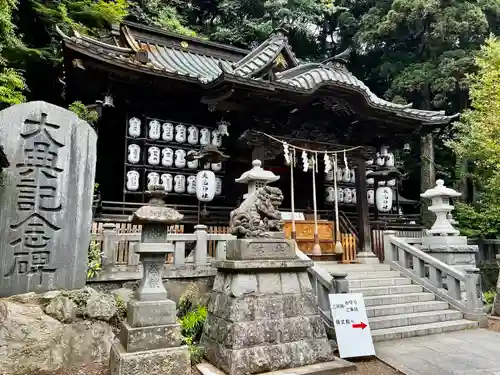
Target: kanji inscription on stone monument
47,201
36,195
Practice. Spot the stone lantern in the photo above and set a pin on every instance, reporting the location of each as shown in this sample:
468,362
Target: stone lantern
150,338
256,178
440,199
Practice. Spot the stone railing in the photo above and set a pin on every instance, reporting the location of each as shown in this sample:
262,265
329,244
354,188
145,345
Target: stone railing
125,266
437,277
323,284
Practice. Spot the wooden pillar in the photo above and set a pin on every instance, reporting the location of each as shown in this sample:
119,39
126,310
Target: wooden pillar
365,254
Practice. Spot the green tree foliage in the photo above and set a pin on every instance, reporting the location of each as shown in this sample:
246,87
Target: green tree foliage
477,138
12,83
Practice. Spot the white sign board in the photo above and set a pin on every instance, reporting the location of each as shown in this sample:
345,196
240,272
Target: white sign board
288,216
354,337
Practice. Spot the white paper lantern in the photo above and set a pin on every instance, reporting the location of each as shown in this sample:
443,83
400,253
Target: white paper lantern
204,137
353,176
329,175
132,180
193,135
167,182
167,157
390,160
347,195
369,162
330,194
134,154
168,132
216,138
154,129
383,199
153,155
205,186
340,193
369,181
391,182
153,178
180,183
191,185
180,133
380,159
134,127
180,158
354,198
340,174
381,183
216,167
218,186
346,175
193,164
371,196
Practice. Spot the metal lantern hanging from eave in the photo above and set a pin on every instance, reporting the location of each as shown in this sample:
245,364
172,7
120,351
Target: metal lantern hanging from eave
440,204
256,178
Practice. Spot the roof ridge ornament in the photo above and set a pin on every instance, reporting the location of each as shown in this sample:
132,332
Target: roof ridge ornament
342,57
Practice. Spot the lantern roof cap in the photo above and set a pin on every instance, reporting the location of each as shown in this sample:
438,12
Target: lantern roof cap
257,173
440,191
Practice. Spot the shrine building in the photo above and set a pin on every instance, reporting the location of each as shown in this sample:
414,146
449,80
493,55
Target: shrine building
161,95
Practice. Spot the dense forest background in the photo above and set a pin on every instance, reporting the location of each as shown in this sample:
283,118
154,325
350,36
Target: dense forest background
418,51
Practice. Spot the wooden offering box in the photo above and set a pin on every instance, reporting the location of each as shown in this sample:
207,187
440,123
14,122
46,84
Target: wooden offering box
305,235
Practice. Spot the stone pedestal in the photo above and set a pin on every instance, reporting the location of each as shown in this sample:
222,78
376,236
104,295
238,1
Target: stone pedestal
262,314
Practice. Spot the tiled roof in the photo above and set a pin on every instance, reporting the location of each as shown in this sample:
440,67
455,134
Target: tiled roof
200,65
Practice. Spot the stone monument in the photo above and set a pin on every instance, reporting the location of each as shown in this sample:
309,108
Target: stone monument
45,198
150,338
262,314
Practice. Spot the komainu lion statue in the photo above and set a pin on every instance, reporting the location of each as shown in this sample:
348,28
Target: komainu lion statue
258,214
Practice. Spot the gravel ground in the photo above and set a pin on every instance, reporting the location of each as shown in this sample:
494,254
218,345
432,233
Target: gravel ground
372,367
494,325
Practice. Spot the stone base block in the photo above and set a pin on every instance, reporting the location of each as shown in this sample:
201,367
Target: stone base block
365,257
260,248
148,338
171,361
265,358
431,241
151,313
338,366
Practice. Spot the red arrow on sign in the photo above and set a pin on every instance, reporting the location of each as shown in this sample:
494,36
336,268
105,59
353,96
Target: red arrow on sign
360,325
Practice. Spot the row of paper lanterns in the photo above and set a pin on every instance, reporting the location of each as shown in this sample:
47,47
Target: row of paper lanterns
179,133
382,197
204,184
348,175
167,157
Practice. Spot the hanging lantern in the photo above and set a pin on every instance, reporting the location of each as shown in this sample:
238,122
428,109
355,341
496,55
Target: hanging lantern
204,137
153,155
223,128
167,182
380,159
383,199
329,175
347,195
371,196
216,138
390,160
330,194
154,129
353,176
167,157
134,154
193,135
180,133
134,127
205,186
191,185
168,132
406,148
340,193
108,101
180,183
180,158
132,180
346,175
153,178
354,198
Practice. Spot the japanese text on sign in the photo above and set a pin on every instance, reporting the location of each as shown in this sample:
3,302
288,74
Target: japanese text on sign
36,198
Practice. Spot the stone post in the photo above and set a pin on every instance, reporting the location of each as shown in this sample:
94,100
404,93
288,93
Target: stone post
388,248
474,296
201,249
150,338
108,245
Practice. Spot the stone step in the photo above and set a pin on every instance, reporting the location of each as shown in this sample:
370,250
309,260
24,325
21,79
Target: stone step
412,319
335,267
422,330
372,275
385,290
398,299
405,308
388,281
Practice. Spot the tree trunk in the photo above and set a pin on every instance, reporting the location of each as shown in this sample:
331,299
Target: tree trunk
427,176
496,304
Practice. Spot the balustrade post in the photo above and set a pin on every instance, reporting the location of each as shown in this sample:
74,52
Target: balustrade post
108,245
388,246
201,248
179,253
340,282
473,289
220,250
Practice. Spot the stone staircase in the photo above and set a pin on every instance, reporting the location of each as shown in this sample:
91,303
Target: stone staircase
396,307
